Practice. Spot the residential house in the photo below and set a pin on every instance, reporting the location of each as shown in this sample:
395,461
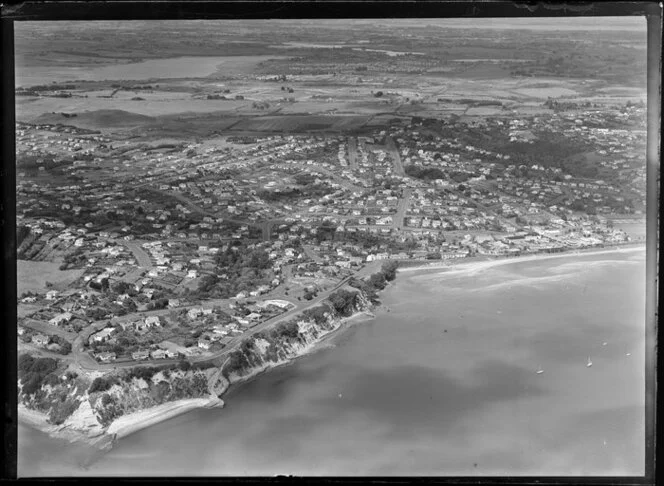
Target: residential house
102,336
52,294
152,321
106,357
158,354
127,325
140,354
40,339
61,319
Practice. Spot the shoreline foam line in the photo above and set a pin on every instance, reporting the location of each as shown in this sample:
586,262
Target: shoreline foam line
470,267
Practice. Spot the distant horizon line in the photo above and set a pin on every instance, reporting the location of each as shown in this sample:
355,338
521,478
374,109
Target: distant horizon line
633,24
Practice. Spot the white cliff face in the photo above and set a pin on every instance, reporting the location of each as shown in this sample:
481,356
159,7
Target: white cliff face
84,420
164,393
309,336
93,413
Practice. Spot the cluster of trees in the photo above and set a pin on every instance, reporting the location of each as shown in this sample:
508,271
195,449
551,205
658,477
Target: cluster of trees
377,281
102,286
34,372
103,383
549,149
424,173
237,362
304,179
310,191
317,314
64,346
344,302
245,269
51,87
285,330
72,259
565,105
160,303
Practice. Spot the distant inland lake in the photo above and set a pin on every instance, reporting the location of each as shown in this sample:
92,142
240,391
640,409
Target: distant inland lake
525,368
176,67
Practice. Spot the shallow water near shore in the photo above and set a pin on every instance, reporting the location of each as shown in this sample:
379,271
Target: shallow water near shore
442,382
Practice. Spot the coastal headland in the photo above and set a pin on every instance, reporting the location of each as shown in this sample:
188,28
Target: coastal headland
265,351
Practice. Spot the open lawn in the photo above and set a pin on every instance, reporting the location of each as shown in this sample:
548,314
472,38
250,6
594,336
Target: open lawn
32,276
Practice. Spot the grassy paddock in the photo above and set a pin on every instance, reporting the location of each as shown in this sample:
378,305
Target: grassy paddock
32,276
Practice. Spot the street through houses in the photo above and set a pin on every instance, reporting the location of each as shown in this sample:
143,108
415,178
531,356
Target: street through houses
402,209
140,254
85,360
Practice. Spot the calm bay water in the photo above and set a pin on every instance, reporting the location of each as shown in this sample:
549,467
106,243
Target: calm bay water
444,383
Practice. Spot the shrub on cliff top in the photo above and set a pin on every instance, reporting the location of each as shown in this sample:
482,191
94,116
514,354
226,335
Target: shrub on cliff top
247,345
237,362
102,384
141,372
288,330
316,314
389,269
205,365
343,302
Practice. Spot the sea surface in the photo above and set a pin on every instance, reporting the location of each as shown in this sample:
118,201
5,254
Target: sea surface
442,382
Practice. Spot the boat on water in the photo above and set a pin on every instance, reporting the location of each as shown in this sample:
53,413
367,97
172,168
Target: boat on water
539,370
589,363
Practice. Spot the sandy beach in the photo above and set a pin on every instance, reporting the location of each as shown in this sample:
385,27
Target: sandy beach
133,422
454,268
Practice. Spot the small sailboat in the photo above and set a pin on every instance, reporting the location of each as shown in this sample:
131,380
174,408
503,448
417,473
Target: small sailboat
589,363
539,370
